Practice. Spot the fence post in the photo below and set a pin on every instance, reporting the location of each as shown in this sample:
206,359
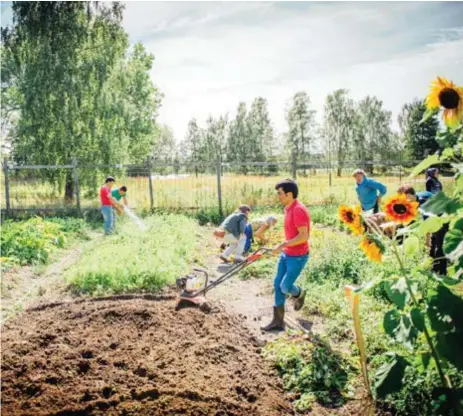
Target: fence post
294,165
219,186
76,184
150,181
7,188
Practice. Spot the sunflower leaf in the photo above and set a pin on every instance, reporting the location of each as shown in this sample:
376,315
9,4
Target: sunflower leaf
397,292
448,153
449,346
429,161
417,318
430,225
430,112
411,245
389,377
441,203
452,240
444,311
400,327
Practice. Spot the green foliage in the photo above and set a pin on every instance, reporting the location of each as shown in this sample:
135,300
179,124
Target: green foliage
313,371
428,318
326,215
373,131
34,240
419,135
79,91
133,260
389,377
205,216
338,124
301,123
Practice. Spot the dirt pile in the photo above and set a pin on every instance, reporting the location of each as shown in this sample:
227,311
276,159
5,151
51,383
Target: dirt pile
134,356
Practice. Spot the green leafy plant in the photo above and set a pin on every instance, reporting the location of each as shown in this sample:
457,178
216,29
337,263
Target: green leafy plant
34,240
425,315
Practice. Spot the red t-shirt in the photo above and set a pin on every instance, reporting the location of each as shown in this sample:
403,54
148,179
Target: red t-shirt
296,215
104,195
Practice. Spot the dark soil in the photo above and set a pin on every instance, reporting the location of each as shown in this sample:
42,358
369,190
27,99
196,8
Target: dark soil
134,355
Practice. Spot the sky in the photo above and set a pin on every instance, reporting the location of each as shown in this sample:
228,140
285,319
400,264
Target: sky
209,56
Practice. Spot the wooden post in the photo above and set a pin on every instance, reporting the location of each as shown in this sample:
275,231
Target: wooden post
294,165
150,181
76,185
219,186
7,188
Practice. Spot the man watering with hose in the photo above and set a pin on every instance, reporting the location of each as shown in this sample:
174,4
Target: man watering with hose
118,194
294,253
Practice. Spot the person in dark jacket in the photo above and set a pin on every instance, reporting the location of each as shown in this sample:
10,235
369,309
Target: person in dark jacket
234,227
433,184
436,251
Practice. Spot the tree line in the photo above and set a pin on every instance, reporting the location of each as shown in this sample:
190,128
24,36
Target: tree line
349,131
72,88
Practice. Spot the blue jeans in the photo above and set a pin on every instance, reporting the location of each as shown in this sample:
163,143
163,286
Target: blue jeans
108,216
288,270
248,233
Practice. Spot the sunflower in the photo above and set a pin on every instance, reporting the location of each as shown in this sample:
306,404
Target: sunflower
372,250
351,217
400,210
446,94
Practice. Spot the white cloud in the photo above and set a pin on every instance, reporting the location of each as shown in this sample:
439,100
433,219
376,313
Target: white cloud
209,66
210,56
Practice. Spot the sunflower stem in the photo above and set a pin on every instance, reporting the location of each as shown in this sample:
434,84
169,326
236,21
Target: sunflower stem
434,353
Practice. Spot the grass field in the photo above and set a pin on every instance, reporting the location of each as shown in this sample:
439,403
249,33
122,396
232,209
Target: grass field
134,260
192,193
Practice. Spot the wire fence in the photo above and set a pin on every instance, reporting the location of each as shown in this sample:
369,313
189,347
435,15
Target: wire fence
154,186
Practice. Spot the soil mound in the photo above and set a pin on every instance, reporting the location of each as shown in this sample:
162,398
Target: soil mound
134,355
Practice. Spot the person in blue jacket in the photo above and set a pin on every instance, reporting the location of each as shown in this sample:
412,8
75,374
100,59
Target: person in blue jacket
369,191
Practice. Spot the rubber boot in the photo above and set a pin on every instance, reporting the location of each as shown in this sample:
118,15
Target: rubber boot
278,321
299,300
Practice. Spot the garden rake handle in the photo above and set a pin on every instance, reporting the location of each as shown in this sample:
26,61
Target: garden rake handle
258,254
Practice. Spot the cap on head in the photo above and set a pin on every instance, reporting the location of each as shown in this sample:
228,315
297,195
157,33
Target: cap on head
109,179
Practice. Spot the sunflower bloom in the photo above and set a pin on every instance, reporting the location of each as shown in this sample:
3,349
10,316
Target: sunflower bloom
400,210
372,250
351,217
446,94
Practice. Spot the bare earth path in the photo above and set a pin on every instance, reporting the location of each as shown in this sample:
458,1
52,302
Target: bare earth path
25,286
253,298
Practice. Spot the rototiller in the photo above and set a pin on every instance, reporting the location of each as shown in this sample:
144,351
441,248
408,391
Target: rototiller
193,287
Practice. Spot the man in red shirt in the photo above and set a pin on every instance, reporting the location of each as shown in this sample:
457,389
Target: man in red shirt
294,253
107,202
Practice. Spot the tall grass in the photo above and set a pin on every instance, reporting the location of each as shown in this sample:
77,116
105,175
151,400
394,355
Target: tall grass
192,193
133,260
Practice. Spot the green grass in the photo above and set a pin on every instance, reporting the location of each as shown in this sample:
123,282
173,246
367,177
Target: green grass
336,261
134,260
192,193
